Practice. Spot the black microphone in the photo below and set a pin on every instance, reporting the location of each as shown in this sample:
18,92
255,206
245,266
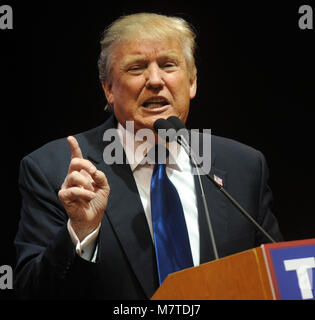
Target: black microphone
166,124
178,124
165,129
162,124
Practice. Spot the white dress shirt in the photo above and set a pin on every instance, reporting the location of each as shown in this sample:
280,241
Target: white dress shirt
179,171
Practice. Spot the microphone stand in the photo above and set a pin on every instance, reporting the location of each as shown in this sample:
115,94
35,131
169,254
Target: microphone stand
166,125
203,197
240,208
226,194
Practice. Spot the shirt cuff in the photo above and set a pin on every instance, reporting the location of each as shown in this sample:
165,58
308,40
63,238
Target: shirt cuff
85,248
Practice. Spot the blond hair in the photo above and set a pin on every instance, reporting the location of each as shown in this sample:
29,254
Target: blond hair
146,26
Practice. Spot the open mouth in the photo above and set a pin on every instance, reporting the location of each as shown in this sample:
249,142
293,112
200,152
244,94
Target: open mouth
155,103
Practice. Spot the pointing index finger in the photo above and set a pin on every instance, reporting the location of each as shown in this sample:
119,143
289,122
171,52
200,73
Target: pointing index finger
75,148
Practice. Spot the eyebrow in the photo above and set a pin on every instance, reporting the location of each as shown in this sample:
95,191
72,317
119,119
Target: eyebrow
133,59
139,58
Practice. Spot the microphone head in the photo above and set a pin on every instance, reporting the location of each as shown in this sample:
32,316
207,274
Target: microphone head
176,122
162,124
167,135
179,125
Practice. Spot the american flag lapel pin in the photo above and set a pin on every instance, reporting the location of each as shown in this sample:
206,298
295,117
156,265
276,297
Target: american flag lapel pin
218,180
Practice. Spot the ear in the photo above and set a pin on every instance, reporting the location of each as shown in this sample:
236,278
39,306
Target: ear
193,87
107,87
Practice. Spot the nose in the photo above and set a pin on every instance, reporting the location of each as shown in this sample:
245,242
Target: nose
154,78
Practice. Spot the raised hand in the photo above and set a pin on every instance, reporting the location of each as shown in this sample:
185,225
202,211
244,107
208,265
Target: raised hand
84,193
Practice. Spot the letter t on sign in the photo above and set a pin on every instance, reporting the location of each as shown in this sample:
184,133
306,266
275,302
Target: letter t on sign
301,266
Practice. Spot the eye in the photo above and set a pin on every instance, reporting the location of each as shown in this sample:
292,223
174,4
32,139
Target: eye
169,66
136,69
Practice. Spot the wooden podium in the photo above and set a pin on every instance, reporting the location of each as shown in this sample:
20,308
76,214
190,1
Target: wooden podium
244,276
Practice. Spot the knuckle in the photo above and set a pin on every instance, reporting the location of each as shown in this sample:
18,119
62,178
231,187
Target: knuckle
61,194
102,175
74,175
73,192
87,162
80,164
75,162
72,178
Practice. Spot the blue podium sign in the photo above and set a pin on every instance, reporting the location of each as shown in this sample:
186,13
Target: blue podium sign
291,267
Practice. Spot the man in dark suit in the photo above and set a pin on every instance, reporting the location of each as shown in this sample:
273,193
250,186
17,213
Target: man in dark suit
85,228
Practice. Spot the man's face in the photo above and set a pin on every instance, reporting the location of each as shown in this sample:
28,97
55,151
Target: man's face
150,80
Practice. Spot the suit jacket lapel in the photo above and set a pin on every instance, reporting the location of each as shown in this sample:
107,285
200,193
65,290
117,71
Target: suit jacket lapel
126,214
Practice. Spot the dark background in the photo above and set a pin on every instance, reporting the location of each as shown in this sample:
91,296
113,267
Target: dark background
255,85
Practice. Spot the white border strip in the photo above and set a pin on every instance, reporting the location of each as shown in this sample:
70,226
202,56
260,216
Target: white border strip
268,272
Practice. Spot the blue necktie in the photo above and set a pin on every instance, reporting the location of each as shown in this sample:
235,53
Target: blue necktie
171,240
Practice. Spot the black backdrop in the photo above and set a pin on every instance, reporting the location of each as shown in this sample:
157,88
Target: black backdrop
255,85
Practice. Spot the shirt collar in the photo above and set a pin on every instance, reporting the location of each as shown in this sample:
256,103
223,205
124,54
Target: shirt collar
178,158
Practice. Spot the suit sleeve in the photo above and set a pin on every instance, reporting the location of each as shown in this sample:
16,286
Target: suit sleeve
265,216
47,266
